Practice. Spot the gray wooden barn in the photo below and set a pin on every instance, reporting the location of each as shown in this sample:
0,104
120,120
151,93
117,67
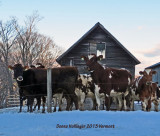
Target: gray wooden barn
156,67
100,42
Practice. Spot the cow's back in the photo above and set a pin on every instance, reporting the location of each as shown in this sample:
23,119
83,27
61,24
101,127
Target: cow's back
119,79
64,77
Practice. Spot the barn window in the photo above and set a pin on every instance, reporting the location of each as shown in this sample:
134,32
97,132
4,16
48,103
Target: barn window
71,62
101,49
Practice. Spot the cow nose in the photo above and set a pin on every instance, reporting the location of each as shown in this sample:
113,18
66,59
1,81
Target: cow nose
20,78
148,83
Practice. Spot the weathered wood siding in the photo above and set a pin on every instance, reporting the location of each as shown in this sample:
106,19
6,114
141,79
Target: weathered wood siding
116,57
156,77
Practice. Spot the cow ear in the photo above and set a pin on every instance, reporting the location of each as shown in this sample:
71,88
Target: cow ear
100,57
25,68
141,72
10,67
84,58
154,72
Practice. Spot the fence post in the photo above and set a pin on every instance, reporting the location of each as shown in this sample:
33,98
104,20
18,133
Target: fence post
49,90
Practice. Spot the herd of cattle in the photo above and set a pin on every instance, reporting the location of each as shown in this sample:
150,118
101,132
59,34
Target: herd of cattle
106,84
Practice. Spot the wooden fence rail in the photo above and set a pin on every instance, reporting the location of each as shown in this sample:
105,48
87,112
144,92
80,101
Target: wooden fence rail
13,100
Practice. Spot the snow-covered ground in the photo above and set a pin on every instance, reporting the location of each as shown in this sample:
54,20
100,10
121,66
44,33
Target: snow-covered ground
133,123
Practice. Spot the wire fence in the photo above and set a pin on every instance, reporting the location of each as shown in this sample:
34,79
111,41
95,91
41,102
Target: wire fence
64,83
76,84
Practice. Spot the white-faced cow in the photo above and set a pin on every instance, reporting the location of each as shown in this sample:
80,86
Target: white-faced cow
33,82
38,98
85,88
145,90
109,81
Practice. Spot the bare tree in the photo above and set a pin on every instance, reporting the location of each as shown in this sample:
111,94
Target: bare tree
27,36
44,50
23,45
15,56
49,52
4,88
7,40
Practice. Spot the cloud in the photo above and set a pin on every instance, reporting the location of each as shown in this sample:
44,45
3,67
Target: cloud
152,52
140,27
147,57
145,62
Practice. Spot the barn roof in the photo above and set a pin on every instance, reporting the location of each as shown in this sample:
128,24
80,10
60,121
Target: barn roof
107,32
154,65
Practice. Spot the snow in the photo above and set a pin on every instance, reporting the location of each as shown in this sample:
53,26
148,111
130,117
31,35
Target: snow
129,123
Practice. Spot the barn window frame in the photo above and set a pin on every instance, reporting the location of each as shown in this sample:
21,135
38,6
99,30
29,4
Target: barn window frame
101,50
71,62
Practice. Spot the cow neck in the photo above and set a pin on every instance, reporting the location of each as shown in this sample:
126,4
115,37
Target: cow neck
98,73
19,83
142,83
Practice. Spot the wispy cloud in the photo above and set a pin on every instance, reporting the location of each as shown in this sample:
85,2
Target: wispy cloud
140,27
145,62
152,52
147,57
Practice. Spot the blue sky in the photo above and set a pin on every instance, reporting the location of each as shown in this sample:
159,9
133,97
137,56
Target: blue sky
136,24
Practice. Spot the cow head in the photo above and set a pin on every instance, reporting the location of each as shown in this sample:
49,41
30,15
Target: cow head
18,71
91,61
147,75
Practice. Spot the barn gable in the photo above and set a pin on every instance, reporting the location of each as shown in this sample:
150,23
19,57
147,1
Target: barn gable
99,40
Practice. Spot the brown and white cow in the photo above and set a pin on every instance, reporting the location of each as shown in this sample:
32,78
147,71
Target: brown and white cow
85,88
109,81
155,95
145,90
158,91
